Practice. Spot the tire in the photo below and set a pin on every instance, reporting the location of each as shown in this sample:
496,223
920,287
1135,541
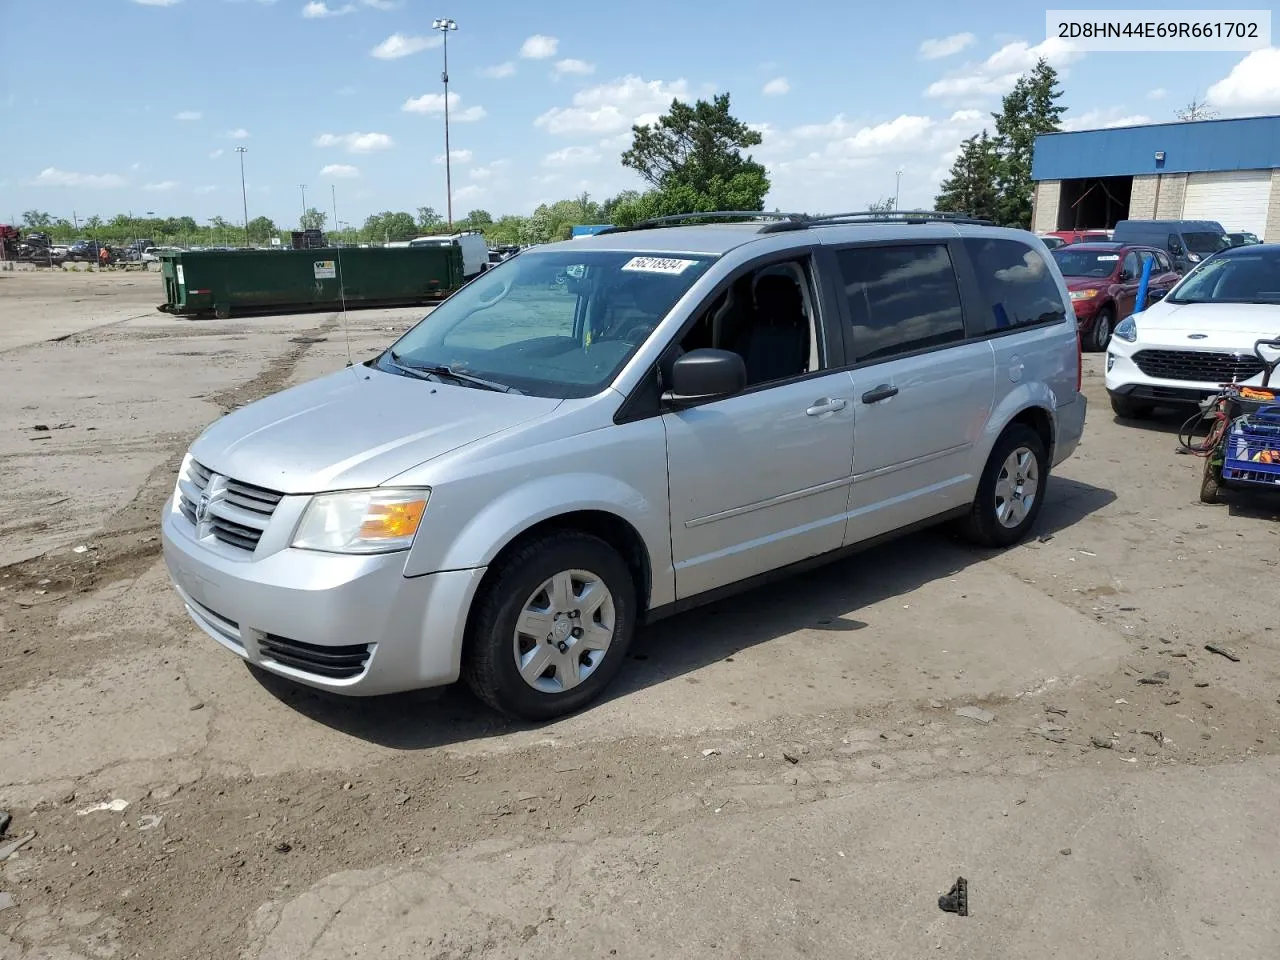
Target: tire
520,591
994,520
1104,322
1210,484
221,311
1127,408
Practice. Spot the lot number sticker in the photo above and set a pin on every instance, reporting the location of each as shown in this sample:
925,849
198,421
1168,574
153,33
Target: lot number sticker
325,270
182,281
657,265
1109,256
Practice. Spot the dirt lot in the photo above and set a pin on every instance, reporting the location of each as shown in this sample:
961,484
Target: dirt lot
781,775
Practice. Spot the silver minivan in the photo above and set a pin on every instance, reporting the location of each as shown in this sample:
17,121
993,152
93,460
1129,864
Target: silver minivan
601,432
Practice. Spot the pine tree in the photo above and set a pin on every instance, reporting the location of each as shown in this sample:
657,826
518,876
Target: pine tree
971,186
1028,110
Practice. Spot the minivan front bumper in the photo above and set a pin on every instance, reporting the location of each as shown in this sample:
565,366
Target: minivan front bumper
353,625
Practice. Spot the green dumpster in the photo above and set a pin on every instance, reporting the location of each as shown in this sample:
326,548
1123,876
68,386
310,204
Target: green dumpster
224,282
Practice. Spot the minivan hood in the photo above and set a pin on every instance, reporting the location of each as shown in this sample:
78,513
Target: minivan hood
355,428
1253,321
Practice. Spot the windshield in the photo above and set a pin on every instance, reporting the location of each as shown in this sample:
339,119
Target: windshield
1205,241
1242,278
553,324
1086,263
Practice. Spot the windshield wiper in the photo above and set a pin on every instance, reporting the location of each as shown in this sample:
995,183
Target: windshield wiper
444,372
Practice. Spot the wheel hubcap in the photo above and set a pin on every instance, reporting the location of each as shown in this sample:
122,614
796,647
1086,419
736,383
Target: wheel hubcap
1104,331
564,631
1016,487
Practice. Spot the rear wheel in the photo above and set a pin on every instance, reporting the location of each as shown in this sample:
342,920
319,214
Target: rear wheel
1127,408
1210,483
1103,323
1011,490
552,626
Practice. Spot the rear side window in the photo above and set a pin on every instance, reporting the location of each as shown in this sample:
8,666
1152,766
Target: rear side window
1017,284
1163,262
901,299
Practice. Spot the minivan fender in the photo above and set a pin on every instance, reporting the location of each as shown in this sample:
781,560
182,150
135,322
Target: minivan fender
1025,396
505,518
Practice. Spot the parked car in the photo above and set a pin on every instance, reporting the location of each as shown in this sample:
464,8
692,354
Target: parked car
1186,241
537,467
1081,236
1242,238
1052,242
1104,278
1200,336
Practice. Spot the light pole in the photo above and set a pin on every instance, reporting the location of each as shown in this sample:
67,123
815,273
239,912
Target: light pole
444,25
244,197
897,187
302,225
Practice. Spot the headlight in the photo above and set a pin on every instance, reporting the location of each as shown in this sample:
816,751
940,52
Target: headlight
1084,294
361,521
1127,329
1193,257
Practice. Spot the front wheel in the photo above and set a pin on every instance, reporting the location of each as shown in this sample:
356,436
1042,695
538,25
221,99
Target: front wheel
551,627
1103,324
1127,408
1011,491
1210,483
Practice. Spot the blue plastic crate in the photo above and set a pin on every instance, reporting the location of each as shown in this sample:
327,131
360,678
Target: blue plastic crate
1251,442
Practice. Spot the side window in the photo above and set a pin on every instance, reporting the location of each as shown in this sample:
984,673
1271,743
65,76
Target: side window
767,316
1132,266
1162,261
900,299
1017,284
1175,244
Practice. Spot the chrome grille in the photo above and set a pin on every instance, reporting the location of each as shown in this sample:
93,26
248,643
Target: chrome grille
236,513
1198,366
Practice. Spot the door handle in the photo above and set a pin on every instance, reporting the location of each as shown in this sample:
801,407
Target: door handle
882,392
825,405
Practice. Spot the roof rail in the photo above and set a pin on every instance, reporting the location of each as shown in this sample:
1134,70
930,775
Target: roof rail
781,221
895,216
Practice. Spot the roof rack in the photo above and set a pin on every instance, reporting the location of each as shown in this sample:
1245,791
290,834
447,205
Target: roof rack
887,216
780,221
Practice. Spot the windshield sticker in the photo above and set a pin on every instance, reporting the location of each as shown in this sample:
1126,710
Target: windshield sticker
657,265
1108,256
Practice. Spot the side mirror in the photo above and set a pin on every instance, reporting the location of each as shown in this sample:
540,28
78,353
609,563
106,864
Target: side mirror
1154,295
704,375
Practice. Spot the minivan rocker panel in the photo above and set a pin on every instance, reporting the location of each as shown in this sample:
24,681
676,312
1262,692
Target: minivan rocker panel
505,494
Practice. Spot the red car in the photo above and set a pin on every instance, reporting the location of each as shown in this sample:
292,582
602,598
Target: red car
1103,280
1081,236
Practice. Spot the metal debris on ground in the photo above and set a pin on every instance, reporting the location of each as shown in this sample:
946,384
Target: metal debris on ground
283,846
956,900
1060,711
790,757
1222,652
710,752
112,806
975,713
1151,681
9,849
80,549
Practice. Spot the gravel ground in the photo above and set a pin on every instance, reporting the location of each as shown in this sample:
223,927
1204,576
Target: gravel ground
772,775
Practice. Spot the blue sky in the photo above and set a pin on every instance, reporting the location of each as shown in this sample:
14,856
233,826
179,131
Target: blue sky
118,105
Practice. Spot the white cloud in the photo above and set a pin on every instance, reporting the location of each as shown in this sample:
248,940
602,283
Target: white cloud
838,126
469,192
1252,86
340,171
576,67
1159,93
571,157
380,4
539,47
936,49
318,9
162,186
433,103
239,133
1103,118
356,142
776,87
215,154
620,141
207,188
187,115
53,177
488,170
399,45
611,107
499,71
999,72
157,3
455,156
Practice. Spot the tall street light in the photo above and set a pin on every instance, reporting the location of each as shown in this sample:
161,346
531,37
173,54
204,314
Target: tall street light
244,197
444,25
302,224
897,187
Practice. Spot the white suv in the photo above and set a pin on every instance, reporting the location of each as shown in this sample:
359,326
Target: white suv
601,432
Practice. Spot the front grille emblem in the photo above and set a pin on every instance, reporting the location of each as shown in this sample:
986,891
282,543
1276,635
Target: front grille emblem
1197,336
202,509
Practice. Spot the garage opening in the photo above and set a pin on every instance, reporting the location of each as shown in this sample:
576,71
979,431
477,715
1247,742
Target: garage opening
1094,203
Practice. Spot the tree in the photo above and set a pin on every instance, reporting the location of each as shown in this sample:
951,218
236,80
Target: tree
261,228
313,219
95,223
1028,110
883,205
36,220
479,219
1197,110
612,203
692,158
971,186
428,219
